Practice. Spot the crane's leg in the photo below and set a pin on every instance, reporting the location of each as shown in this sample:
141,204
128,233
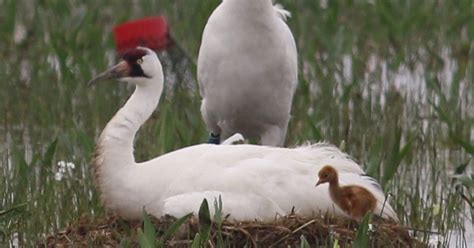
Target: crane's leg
214,138
273,136
211,123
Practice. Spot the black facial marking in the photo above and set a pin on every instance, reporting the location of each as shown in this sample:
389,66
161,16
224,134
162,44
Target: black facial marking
132,57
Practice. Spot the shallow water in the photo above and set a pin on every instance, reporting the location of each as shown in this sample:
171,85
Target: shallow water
402,106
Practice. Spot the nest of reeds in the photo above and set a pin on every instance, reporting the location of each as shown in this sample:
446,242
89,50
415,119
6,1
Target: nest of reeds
288,231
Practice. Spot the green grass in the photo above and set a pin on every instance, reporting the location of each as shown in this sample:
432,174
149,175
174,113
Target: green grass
392,80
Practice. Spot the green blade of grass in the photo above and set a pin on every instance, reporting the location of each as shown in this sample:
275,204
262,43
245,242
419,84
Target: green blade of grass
143,240
205,222
196,241
303,242
147,236
395,160
50,151
18,209
362,235
464,144
218,219
174,227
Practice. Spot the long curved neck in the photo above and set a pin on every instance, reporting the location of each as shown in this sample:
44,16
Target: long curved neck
114,149
334,188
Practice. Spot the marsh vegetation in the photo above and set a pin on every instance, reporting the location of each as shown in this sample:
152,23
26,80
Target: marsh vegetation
390,82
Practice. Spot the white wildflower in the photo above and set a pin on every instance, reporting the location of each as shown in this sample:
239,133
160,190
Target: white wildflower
70,165
58,176
61,164
15,240
63,168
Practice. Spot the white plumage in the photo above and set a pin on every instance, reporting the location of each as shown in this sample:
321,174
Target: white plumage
248,71
255,182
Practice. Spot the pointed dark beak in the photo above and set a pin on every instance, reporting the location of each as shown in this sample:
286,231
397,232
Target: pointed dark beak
318,183
122,69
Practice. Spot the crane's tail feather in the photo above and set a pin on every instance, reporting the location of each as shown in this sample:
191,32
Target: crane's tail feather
281,12
384,210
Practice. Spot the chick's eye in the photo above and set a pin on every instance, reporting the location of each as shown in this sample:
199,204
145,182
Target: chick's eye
139,61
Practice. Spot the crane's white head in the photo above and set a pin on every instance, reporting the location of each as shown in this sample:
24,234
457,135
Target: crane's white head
137,66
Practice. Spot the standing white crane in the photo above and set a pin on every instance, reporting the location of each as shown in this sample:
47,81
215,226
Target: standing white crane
247,71
255,182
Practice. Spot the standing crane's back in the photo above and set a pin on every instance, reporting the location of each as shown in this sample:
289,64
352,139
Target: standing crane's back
247,71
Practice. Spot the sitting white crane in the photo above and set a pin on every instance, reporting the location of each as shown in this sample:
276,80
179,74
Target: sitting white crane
255,182
247,71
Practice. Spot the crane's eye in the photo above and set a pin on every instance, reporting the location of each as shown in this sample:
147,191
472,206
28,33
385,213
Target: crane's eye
139,61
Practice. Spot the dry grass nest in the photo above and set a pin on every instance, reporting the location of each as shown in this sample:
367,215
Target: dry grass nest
282,232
